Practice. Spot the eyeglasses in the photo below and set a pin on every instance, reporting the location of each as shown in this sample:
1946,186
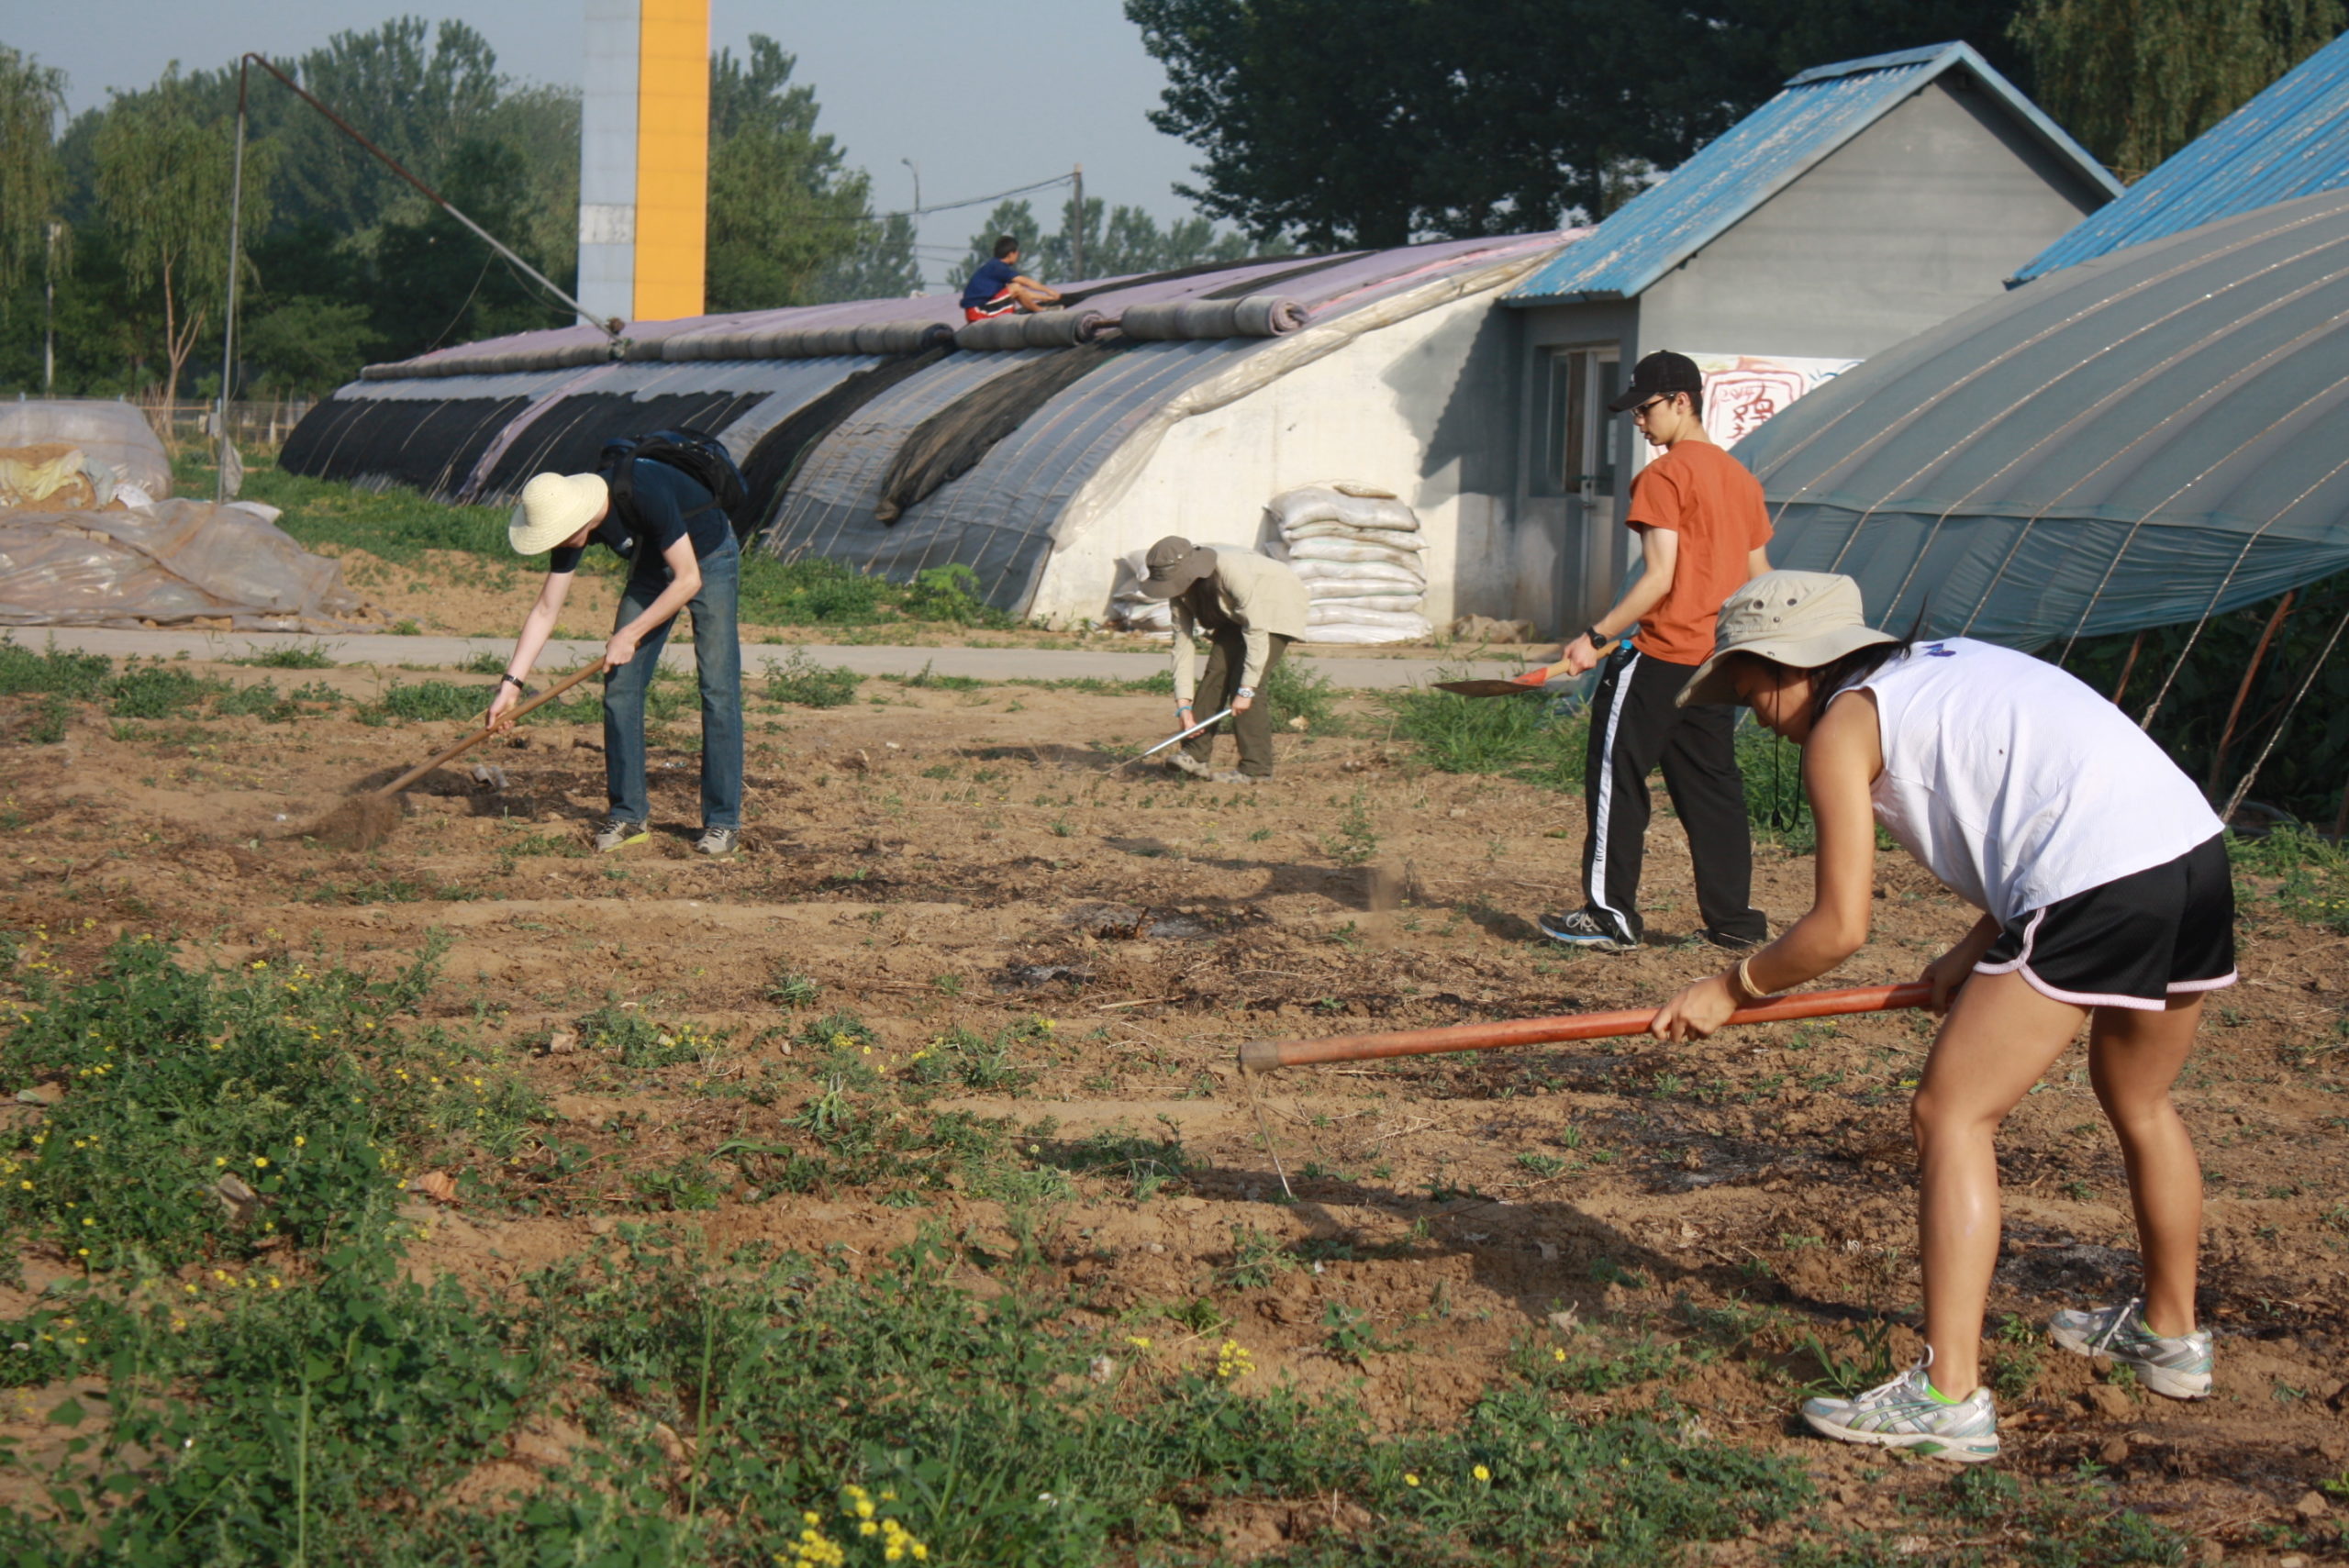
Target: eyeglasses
1641,411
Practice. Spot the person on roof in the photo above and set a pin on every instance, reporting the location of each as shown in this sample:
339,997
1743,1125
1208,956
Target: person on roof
682,556
1702,532
1252,607
2102,878
999,288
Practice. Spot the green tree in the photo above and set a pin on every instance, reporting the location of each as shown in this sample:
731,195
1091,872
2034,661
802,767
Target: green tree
2136,80
31,97
436,283
164,169
784,209
416,92
1381,122
880,264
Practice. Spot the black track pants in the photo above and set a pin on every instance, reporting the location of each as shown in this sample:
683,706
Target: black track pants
1633,727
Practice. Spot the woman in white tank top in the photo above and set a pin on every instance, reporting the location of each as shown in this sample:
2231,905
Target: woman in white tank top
2106,899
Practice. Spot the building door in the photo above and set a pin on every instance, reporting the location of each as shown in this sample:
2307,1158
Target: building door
1576,462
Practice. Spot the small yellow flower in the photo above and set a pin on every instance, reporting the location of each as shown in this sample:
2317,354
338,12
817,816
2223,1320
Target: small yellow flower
1481,1473
261,1161
1410,1479
299,1141
1557,1355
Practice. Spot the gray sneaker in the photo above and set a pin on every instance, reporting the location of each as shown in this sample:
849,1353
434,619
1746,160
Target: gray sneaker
619,833
1580,928
2178,1368
718,840
1902,1414
1180,761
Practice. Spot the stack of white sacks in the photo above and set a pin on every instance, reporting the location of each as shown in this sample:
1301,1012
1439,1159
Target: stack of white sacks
1358,548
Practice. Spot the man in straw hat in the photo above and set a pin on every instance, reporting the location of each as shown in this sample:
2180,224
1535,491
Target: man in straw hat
1252,607
2102,878
682,556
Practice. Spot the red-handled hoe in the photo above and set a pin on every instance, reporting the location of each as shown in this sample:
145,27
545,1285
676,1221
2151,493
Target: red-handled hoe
1265,1055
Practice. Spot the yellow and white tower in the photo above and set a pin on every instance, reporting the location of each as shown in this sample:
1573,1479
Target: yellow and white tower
644,158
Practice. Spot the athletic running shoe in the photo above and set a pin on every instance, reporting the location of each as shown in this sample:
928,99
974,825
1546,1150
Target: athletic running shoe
718,840
619,833
1579,928
1233,775
2178,1368
1905,1413
1180,761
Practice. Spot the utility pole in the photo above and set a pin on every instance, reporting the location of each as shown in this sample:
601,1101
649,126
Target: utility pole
225,483
1076,235
48,316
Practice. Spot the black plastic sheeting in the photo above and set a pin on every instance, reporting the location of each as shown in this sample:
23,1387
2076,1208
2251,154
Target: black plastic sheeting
951,442
772,462
570,435
427,443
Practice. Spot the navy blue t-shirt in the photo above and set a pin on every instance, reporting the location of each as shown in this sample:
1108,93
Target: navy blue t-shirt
987,281
668,506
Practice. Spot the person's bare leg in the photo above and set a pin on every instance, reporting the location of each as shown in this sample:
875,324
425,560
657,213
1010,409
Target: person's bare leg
2133,1058
1032,299
2000,1038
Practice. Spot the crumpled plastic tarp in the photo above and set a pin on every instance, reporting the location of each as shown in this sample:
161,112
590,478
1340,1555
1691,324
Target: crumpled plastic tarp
177,560
114,434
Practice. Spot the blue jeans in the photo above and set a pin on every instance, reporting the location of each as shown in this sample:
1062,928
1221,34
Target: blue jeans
717,655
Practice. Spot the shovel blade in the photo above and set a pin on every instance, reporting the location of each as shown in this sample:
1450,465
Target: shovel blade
1488,688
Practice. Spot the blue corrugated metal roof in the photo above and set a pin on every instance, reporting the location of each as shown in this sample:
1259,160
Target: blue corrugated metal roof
1767,151
2292,140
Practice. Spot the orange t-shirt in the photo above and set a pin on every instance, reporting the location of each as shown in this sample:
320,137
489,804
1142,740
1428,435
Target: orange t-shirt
1706,497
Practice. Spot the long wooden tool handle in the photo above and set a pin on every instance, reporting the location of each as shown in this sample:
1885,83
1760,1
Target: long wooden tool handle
1265,1055
470,741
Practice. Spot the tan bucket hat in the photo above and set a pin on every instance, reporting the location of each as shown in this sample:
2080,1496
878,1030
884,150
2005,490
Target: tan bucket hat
553,507
1802,619
1174,564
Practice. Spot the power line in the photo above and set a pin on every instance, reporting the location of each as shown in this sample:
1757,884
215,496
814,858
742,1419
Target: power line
975,201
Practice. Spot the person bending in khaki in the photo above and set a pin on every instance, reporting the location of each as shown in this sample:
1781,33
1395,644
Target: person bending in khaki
1251,608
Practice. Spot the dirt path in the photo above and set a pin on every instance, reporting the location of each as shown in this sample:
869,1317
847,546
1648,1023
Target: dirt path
939,859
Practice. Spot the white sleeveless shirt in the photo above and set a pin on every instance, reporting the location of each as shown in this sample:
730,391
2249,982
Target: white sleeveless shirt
2016,783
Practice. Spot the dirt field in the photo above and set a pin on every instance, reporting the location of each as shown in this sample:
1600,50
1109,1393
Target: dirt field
1729,1222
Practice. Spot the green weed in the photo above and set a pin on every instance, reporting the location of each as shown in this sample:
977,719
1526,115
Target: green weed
801,679
309,655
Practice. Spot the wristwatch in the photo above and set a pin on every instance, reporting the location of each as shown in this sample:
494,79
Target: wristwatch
1597,637
516,680
1248,692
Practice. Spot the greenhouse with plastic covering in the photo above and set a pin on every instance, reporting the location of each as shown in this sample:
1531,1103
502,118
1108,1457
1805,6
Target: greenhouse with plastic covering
1039,451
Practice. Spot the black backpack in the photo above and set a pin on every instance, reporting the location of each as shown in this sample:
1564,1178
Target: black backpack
695,454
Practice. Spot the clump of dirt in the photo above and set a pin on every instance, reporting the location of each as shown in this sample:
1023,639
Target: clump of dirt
1001,931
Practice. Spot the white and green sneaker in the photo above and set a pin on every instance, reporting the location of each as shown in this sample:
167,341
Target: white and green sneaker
1910,1413
619,833
2178,1368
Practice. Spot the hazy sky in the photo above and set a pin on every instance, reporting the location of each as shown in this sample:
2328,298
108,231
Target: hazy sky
982,97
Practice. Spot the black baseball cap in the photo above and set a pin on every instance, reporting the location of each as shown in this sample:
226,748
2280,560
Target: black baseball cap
1658,375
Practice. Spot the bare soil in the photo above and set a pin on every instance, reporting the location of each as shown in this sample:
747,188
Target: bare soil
935,858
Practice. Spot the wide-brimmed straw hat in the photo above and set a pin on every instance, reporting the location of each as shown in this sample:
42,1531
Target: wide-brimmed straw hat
1802,619
553,507
1174,564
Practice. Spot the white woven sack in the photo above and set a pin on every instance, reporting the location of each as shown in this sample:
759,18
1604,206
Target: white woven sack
1375,596
1368,612
1313,572
1393,538
1342,549
1320,503
1398,628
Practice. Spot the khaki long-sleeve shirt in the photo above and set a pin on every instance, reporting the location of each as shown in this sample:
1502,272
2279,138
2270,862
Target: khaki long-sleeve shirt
1261,595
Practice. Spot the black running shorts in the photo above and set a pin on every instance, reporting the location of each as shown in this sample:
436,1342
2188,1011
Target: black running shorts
2135,941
